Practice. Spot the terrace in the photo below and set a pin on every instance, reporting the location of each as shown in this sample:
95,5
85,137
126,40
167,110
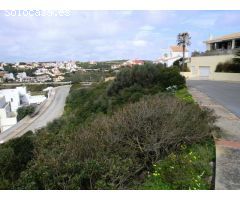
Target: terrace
223,45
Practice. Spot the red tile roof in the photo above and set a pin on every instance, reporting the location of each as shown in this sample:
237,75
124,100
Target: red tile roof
178,49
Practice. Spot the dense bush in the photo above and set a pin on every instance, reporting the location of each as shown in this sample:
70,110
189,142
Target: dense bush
114,152
178,64
148,75
228,66
14,157
111,140
24,111
80,76
15,71
185,169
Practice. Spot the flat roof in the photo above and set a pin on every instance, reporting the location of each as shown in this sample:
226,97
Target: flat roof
224,38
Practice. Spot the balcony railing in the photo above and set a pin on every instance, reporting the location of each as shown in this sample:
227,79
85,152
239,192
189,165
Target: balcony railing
216,52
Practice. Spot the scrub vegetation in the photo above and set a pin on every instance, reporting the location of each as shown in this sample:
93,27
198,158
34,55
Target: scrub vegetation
130,133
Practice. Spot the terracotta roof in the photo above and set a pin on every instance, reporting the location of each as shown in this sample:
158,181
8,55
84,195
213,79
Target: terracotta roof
137,62
177,49
2,74
224,37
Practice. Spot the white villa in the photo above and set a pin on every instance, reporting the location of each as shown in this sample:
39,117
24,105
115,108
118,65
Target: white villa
173,53
11,100
7,117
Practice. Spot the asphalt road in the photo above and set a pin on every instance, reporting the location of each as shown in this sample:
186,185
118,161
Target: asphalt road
225,93
53,108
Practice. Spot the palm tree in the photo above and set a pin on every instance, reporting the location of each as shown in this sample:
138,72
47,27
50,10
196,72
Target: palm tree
183,40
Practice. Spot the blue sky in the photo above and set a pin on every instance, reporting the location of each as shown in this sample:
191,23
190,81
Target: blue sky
108,35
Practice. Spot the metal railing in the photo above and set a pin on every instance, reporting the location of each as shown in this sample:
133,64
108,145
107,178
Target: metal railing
216,52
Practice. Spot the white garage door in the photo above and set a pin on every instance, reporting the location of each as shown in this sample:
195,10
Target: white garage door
204,71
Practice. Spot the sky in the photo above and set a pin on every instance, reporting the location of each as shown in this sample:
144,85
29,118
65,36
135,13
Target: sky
108,35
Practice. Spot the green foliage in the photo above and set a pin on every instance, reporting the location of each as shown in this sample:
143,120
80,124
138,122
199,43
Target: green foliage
24,111
15,155
111,152
189,168
99,65
111,141
10,69
184,95
37,87
178,64
146,76
80,76
229,66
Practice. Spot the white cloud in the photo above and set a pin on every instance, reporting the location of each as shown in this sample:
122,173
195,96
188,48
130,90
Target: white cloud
140,43
101,35
147,28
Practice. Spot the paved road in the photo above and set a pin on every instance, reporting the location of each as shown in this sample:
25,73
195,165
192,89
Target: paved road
225,93
51,109
224,99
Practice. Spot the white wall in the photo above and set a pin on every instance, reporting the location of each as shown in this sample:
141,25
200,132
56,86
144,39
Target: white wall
6,120
206,61
12,96
36,99
7,123
226,76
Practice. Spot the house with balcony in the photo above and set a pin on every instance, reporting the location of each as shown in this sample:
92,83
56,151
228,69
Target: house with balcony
218,50
226,43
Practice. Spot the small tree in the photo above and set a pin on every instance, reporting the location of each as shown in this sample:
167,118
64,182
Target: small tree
183,40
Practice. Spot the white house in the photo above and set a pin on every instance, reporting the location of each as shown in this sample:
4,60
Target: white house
9,76
19,96
27,99
171,55
7,118
43,78
21,76
41,71
12,96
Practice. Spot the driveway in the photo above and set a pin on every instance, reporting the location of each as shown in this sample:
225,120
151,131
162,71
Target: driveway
225,93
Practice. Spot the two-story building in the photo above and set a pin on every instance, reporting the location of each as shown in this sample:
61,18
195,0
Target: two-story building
218,50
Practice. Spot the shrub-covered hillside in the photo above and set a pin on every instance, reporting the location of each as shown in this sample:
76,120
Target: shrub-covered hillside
118,135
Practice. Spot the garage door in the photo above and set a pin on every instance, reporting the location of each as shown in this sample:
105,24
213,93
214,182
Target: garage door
204,71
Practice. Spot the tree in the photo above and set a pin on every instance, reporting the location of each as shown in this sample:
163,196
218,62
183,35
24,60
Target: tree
183,40
24,111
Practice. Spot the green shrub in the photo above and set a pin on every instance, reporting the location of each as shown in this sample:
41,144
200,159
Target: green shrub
24,111
178,64
15,155
190,168
184,95
228,66
146,76
113,152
